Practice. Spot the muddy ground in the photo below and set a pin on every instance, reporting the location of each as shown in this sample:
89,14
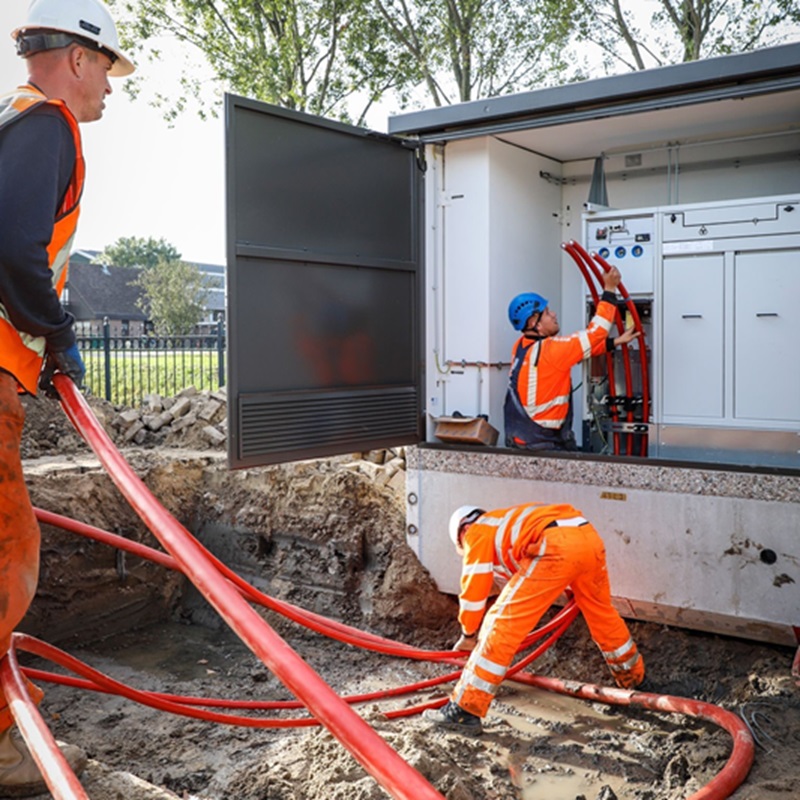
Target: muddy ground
326,536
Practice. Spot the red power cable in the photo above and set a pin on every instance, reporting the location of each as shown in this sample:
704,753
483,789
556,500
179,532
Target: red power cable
394,774
631,306
580,256
740,760
568,247
66,788
60,779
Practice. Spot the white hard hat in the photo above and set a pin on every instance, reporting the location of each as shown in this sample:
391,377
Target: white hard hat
89,20
457,516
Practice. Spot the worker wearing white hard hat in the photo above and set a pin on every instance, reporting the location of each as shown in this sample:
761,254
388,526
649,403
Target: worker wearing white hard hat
534,551
70,48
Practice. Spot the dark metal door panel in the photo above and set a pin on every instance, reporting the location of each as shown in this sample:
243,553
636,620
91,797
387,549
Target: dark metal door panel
324,287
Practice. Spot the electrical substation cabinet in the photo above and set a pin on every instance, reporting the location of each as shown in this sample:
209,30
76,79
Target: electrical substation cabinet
729,296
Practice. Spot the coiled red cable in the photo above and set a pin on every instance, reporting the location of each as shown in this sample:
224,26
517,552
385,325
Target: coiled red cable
209,575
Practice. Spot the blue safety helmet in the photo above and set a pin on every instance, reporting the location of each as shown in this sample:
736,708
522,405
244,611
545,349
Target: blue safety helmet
523,306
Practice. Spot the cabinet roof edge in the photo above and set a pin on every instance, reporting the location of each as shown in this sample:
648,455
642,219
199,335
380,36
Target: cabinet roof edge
674,84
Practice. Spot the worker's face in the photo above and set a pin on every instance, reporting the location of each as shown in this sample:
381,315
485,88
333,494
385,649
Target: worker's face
92,86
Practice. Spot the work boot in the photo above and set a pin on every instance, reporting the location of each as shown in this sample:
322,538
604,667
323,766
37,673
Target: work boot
454,718
19,774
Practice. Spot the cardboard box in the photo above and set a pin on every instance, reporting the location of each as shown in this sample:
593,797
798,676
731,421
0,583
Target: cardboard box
467,430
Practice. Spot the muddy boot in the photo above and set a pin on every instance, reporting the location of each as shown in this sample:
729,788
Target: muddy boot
19,774
454,718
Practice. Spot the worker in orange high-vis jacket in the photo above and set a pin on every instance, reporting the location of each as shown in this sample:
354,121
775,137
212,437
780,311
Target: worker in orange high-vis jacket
71,48
538,406
534,552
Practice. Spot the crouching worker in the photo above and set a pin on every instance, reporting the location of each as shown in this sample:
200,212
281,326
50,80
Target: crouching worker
536,551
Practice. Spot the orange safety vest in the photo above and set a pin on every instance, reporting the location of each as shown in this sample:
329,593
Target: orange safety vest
20,353
543,366
494,545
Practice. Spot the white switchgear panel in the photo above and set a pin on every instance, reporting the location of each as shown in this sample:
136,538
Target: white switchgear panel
724,281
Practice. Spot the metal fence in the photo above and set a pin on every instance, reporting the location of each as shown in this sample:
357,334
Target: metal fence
124,369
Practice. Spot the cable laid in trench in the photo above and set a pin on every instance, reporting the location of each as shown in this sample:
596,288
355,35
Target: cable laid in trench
735,769
732,774
391,771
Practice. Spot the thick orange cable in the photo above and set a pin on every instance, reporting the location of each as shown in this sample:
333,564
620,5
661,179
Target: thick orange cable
394,774
740,760
732,775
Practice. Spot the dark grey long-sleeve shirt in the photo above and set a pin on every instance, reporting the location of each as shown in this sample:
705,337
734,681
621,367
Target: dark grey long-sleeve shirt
37,158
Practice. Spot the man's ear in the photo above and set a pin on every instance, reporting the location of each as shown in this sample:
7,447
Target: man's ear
77,60
533,328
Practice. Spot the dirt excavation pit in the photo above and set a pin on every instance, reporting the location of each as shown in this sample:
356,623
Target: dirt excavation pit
328,536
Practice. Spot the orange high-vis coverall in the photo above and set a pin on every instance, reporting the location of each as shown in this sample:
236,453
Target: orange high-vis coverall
538,405
537,551
19,530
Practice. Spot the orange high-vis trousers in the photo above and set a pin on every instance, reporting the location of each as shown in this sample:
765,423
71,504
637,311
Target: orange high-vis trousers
19,531
564,556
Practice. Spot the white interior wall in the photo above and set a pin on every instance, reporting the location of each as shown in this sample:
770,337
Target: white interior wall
524,252
464,202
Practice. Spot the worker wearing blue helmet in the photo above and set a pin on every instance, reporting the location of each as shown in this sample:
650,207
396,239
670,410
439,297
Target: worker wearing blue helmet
538,406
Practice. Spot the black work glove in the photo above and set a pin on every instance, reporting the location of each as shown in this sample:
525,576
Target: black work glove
68,362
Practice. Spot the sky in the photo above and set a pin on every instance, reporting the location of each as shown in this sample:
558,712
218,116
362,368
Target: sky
143,178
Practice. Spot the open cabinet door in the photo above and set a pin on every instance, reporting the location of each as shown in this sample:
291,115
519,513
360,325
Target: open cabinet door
324,287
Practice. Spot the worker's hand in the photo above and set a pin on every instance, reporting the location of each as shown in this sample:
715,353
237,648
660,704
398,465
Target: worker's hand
611,280
466,643
68,362
627,337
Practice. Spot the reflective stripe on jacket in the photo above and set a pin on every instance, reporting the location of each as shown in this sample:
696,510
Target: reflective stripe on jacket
20,353
494,546
540,371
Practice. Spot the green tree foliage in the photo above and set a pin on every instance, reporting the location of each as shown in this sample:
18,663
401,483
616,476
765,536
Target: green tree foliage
132,251
639,35
294,53
337,57
468,49
174,296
